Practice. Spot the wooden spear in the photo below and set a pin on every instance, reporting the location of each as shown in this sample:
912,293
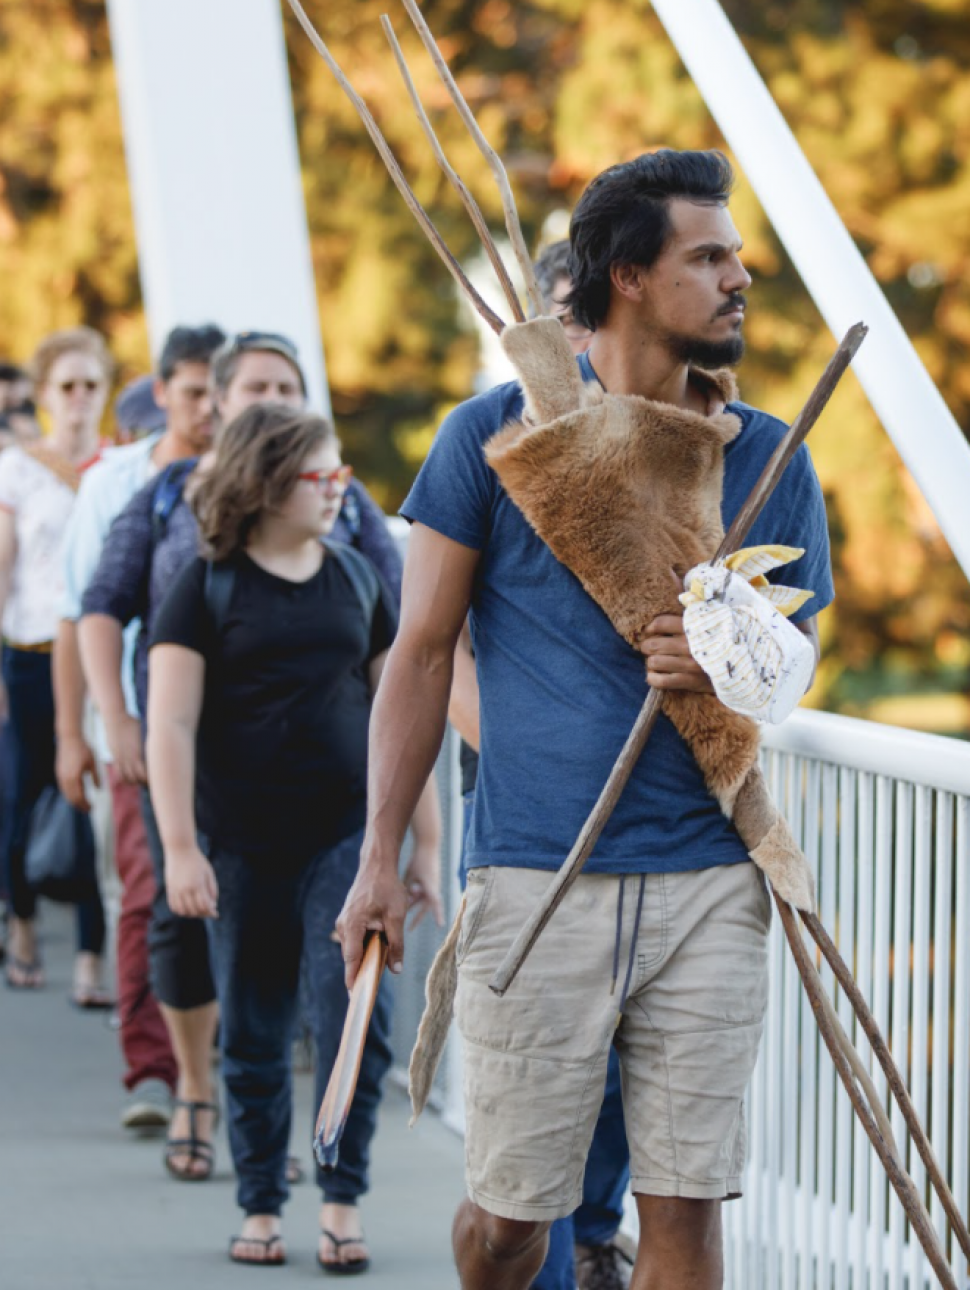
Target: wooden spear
630,753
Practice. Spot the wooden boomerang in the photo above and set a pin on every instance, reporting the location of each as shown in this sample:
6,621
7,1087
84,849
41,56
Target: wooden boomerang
335,1106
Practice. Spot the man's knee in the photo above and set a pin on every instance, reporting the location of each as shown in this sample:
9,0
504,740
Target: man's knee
676,1220
501,1239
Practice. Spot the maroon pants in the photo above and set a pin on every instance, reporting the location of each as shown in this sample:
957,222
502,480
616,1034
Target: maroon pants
144,1038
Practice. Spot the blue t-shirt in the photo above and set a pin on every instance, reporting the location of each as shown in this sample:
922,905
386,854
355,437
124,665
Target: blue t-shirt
560,688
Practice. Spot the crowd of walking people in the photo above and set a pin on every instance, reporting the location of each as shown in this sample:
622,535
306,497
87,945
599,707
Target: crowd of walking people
196,612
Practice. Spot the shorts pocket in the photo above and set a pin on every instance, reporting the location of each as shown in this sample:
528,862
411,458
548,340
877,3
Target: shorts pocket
764,895
478,889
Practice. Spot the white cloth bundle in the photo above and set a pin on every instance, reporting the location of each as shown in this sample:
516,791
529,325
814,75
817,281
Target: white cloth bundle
737,630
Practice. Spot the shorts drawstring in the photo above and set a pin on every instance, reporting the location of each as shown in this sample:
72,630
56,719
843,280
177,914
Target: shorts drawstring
633,940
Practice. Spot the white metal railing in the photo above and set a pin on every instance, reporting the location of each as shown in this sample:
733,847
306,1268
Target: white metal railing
884,818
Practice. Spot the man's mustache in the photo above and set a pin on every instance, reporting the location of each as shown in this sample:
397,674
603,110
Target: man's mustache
736,301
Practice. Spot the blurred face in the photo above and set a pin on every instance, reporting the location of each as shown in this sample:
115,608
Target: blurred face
187,401
261,377
577,335
314,504
74,394
13,393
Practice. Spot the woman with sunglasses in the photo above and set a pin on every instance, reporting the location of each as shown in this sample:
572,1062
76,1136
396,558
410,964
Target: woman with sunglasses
258,706
38,482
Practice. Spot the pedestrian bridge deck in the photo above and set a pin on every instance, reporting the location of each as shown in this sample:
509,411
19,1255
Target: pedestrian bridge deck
83,1206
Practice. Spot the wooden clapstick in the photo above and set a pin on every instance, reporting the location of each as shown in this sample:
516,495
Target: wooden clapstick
335,1106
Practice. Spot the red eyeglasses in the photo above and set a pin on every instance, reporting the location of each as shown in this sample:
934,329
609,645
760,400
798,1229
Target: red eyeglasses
334,481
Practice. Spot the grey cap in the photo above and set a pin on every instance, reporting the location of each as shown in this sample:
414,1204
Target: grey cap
136,409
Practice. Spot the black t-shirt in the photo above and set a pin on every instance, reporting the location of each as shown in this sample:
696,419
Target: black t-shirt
282,743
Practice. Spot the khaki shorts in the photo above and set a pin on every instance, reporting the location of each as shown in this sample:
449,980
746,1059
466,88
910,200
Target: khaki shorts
535,1060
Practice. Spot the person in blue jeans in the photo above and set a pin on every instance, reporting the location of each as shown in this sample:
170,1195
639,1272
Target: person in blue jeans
264,657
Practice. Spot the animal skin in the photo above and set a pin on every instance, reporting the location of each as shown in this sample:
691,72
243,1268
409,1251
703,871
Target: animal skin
626,492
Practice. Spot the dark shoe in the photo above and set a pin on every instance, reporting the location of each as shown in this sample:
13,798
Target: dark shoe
21,974
602,1267
266,1244
92,998
196,1148
349,1267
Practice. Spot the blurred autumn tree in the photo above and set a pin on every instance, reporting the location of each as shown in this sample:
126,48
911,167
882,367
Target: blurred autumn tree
877,92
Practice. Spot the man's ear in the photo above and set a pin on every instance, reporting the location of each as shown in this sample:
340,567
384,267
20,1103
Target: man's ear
627,280
160,392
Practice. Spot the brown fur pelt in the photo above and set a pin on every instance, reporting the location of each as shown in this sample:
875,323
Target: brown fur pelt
627,494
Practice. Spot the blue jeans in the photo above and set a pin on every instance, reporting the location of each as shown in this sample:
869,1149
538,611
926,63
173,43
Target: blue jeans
270,927
28,768
607,1176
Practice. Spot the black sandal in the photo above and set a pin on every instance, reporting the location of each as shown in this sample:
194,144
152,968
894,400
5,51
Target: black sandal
352,1266
194,1147
266,1242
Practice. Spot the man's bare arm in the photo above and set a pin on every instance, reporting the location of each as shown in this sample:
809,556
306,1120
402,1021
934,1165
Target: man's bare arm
407,726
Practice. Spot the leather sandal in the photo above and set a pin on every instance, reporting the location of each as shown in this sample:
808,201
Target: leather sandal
196,1148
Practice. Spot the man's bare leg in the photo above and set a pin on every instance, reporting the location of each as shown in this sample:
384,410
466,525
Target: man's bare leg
494,1253
680,1245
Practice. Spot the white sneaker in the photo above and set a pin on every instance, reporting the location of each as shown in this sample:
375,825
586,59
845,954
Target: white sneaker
149,1106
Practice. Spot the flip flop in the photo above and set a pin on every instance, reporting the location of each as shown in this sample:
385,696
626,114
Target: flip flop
267,1245
33,969
196,1149
349,1268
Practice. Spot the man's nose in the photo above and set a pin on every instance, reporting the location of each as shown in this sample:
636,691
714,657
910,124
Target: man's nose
738,278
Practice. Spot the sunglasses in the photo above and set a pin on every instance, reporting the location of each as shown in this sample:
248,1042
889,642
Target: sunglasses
334,481
68,387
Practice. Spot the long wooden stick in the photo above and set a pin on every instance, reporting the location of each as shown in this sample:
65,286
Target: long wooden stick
893,1076
745,518
397,175
468,201
512,224
342,1084
902,1184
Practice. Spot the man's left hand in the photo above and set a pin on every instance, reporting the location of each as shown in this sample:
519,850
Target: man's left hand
670,664
75,760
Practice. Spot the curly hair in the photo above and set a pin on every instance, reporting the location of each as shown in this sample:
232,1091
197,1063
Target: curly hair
71,340
258,459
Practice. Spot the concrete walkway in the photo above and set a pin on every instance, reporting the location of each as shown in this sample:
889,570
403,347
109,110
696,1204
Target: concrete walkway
84,1206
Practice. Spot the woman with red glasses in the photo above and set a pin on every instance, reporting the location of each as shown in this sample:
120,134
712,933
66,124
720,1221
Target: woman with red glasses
72,372
264,658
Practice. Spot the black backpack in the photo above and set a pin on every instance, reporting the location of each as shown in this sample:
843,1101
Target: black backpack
221,578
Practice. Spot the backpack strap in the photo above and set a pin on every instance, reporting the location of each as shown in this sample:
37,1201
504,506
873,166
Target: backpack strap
362,574
169,487
219,581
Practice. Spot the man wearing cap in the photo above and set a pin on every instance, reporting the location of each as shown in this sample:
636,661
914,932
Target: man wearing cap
177,410
137,412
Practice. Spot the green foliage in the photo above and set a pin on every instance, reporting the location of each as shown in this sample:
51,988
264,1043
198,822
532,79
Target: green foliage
877,92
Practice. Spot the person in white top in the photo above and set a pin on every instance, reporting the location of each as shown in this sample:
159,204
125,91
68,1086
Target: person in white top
182,395
72,370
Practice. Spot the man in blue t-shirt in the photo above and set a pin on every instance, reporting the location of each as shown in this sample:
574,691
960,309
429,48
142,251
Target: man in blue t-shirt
660,946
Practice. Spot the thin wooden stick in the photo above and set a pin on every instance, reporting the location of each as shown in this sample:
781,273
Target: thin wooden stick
598,817
420,214
902,1184
337,1100
893,1076
488,152
468,201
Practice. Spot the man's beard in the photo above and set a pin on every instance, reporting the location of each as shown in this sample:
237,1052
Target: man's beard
708,353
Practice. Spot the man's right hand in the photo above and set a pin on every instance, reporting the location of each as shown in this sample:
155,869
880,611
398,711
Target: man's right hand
378,901
127,752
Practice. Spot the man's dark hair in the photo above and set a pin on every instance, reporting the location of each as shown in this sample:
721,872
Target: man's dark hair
551,267
623,217
10,372
188,345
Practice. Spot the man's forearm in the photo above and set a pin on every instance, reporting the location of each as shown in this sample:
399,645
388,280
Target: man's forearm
407,728
101,649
